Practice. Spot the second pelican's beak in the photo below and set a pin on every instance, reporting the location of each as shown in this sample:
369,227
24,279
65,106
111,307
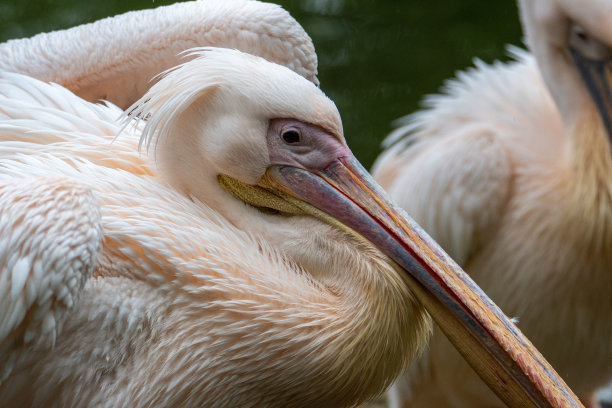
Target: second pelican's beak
487,339
597,75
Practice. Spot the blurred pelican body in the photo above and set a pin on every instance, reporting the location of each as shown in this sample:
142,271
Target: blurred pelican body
511,171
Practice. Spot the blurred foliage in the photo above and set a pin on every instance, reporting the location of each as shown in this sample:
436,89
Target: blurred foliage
377,59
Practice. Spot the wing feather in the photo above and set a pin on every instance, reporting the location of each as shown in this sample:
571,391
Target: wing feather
50,236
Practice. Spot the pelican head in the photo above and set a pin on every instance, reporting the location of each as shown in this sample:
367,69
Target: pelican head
225,103
265,147
572,42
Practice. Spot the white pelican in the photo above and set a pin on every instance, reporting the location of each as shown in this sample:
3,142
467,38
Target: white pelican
115,59
250,261
511,170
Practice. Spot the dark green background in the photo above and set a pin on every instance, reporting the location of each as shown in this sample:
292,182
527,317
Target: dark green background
376,58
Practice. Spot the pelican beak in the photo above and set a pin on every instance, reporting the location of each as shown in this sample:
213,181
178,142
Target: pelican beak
489,341
597,75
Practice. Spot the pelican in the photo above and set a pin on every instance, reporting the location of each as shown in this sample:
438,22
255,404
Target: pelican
243,258
510,170
117,59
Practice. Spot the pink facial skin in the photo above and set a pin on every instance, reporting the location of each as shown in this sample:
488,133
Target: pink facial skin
298,144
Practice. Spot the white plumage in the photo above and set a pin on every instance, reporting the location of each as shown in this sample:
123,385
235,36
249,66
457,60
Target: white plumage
170,264
52,222
243,253
116,59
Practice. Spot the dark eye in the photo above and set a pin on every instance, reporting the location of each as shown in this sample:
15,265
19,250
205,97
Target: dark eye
291,136
579,32
590,47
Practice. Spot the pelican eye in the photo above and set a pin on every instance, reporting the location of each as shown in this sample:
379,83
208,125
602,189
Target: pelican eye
589,46
291,137
579,32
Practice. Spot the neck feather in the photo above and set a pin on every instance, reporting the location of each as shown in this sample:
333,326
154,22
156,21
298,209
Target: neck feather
591,181
253,325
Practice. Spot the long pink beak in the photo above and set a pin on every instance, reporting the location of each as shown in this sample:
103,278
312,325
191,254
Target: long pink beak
488,340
